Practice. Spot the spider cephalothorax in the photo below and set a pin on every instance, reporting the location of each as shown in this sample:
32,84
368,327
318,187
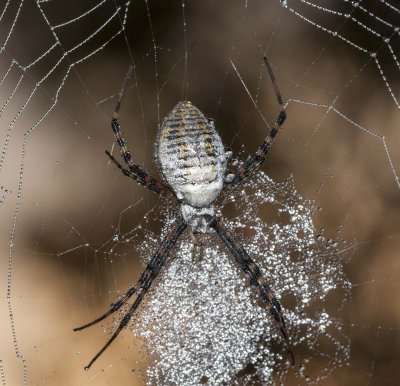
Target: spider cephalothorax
192,162
199,219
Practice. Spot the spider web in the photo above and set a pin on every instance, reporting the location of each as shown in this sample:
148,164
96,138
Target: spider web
75,231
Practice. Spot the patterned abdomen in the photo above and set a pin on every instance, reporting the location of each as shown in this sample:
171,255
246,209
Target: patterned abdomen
191,155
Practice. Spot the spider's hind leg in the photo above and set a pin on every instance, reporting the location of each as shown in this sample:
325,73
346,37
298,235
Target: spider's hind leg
251,269
152,270
114,307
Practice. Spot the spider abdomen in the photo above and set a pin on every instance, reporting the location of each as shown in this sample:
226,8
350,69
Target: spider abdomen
191,155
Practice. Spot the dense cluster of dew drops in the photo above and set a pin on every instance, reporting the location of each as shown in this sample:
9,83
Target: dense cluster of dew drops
203,323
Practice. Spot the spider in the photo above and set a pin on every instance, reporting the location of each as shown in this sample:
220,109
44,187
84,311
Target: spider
193,164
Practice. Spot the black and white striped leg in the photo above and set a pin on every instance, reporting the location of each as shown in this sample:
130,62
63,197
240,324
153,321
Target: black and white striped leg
135,171
254,161
253,271
151,271
144,179
114,307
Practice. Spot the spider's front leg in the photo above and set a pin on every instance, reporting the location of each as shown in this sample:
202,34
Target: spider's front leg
134,171
255,160
152,270
251,269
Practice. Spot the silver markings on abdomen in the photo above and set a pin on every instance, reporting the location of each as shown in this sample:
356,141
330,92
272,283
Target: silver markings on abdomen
190,150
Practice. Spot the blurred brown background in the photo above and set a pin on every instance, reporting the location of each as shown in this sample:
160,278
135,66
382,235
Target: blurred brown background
64,269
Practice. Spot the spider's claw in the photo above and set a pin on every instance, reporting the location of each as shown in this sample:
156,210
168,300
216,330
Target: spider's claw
279,319
122,324
103,348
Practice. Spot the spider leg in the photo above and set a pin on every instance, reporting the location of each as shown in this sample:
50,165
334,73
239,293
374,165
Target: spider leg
253,271
114,307
145,180
254,161
151,271
136,171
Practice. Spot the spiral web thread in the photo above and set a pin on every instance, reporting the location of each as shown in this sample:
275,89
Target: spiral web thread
63,60
377,33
